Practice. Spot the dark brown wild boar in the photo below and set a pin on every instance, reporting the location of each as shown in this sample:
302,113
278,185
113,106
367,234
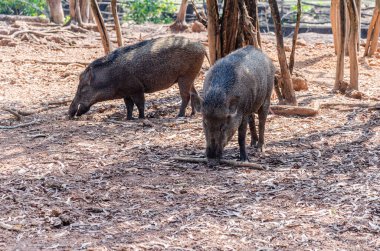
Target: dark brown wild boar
145,67
235,88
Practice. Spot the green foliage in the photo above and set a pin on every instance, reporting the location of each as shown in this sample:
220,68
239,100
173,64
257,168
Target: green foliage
23,7
156,11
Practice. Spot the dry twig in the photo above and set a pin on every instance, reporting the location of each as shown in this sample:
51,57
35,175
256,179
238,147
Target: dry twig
222,161
9,227
19,125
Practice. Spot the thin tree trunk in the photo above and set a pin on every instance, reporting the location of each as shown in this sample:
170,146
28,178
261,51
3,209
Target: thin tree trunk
213,30
340,48
180,22
296,29
85,10
248,30
101,27
78,14
358,7
370,34
56,11
352,48
117,23
287,85
334,25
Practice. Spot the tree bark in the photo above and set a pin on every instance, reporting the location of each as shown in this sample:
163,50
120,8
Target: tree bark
117,23
213,30
248,29
287,85
56,11
340,49
296,29
352,45
180,22
101,27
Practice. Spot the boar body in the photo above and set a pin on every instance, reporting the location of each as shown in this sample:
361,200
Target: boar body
145,67
235,88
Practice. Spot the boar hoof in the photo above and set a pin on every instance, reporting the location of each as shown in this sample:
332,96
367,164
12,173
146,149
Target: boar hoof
254,143
260,148
244,159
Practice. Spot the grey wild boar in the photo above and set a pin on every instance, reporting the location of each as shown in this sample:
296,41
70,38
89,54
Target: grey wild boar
145,67
235,88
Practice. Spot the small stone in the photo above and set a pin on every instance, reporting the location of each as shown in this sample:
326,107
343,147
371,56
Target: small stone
356,94
198,27
299,84
301,42
55,222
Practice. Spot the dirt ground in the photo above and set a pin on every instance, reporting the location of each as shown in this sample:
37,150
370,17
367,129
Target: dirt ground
100,182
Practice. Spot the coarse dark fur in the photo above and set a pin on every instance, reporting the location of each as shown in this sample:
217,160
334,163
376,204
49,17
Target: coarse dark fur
145,67
235,88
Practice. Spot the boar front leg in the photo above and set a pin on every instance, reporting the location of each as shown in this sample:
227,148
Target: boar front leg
263,113
129,104
242,133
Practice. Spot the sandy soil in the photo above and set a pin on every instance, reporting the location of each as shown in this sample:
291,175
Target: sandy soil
100,182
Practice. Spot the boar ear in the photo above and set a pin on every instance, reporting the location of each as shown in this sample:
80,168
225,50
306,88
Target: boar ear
196,101
233,105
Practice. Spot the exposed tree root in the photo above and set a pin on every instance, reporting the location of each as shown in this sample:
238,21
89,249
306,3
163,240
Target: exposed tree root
18,126
14,18
9,227
336,106
222,161
289,110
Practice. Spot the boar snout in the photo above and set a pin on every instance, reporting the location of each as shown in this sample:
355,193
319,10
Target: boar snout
77,109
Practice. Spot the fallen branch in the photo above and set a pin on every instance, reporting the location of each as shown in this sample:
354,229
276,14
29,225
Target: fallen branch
50,62
294,110
13,112
9,227
19,125
222,161
370,107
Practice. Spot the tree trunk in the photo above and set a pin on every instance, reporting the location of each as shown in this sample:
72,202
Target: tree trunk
352,45
252,9
78,15
213,30
340,49
373,32
117,24
296,29
180,22
230,20
334,22
101,27
287,85
85,10
56,11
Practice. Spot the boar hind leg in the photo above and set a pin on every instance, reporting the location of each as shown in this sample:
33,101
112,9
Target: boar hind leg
139,100
129,104
242,133
185,86
252,128
263,113
194,92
